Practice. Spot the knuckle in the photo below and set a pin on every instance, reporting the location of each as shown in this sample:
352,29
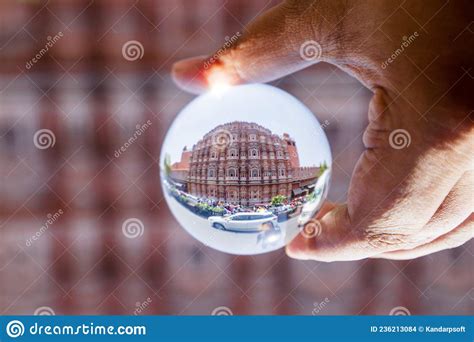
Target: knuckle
384,240
390,238
373,138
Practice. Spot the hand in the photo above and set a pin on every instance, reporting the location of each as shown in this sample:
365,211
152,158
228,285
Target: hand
405,202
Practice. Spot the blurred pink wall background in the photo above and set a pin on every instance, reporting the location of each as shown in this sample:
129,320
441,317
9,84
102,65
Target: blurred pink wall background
91,98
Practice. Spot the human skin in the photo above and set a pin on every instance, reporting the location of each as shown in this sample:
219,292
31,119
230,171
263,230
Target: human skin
402,203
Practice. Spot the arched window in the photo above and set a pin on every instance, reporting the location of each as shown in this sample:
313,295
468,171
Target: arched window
211,173
254,152
282,172
279,154
233,153
232,172
254,173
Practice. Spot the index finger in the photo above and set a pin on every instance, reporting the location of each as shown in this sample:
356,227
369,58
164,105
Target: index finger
285,39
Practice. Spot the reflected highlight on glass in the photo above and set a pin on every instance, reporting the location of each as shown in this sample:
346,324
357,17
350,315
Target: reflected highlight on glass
244,170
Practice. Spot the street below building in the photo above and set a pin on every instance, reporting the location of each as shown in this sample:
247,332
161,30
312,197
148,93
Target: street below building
229,241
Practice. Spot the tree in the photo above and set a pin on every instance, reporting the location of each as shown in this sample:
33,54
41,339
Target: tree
278,200
322,167
167,164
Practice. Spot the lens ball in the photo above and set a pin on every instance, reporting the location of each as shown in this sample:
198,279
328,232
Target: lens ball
244,170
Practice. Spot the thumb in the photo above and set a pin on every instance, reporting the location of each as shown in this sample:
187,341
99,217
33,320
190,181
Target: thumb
285,39
332,238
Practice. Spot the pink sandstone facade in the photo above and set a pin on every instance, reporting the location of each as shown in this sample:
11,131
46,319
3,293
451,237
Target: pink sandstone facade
243,163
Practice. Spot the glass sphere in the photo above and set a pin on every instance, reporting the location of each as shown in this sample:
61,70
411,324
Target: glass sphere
245,169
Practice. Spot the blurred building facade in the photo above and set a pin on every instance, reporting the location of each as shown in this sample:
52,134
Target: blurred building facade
245,163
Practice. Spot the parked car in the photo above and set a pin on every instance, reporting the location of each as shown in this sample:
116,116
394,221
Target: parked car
244,222
282,212
279,209
311,207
